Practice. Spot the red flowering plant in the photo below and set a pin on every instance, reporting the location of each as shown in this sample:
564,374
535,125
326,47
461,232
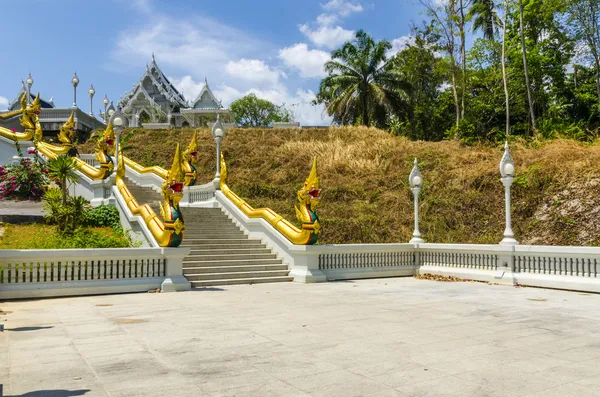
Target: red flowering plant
23,180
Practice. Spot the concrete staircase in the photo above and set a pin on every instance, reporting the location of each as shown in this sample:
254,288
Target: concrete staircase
221,254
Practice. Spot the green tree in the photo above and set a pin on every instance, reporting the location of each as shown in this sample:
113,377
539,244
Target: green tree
62,168
426,73
362,86
251,111
485,18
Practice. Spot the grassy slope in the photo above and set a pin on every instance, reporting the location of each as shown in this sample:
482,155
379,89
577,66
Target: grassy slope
38,236
364,177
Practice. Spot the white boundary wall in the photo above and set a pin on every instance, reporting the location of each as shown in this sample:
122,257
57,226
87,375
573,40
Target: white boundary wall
69,272
572,268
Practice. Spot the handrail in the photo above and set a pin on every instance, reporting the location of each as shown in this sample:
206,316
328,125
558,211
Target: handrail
170,232
306,236
161,172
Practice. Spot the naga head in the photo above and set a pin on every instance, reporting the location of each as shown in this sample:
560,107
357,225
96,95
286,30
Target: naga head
309,194
67,131
189,161
35,107
191,153
172,188
106,143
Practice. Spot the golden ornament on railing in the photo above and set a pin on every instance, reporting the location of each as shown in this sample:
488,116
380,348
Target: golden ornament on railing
308,198
168,233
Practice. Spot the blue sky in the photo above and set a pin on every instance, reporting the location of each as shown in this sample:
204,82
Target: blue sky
274,48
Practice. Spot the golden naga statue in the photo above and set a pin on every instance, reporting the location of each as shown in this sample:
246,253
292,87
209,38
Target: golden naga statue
29,121
308,197
190,157
65,136
168,233
104,151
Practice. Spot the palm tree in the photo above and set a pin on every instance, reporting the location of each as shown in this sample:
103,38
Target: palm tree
362,85
485,18
62,168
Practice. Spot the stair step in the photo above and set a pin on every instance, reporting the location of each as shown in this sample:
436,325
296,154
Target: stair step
259,280
228,256
255,245
235,275
197,241
231,262
233,269
233,251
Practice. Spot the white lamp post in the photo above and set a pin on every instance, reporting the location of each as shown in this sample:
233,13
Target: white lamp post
507,170
119,122
218,132
105,103
91,91
75,82
29,84
415,180
111,110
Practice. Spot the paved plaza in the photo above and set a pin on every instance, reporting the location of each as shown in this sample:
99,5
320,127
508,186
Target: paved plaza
377,338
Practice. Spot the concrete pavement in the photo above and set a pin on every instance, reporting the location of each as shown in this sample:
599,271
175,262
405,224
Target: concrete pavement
378,338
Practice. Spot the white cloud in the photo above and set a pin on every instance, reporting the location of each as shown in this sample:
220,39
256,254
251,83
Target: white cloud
400,43
327,36
184,45
342,7
141,5
254,70
309,63
3,102
327,19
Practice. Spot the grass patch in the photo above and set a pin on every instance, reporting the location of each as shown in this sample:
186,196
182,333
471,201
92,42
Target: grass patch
36,236
364,180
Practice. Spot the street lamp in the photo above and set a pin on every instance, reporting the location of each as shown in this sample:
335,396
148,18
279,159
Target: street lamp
119,122
75,82
91,91
415,180
218,132
111,110
105,102
507,170
29,84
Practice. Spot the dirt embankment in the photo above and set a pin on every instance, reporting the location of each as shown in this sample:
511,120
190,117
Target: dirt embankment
364,177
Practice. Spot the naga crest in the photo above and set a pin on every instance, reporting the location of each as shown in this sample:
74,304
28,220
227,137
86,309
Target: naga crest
67,131
309,194
106,149
29,119
190,156
309,199
191,153
106,143
172,188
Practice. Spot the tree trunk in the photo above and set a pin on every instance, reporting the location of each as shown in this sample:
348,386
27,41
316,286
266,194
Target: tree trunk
524,51
463,52
504,76
365,120
597,78
455,93
63,183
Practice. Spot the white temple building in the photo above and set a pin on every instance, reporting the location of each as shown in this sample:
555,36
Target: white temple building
154,102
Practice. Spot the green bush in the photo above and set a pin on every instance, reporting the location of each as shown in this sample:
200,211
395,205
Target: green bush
103,216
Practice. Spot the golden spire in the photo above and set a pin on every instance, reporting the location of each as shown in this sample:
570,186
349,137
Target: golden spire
176,172
36,102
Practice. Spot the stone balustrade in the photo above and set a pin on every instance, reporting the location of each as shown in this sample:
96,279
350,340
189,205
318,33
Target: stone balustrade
68,272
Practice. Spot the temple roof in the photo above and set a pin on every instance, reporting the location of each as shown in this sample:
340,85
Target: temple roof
161,84
206,99
16,103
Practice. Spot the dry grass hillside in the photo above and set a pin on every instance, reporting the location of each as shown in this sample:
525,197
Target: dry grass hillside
364,181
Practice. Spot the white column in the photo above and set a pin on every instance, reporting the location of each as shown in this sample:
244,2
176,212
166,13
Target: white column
509,236
416,233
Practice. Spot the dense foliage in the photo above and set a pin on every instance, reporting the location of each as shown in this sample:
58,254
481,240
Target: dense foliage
251,111
441,86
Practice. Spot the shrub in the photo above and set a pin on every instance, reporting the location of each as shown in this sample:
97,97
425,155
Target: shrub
68,217
24,180
103,216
